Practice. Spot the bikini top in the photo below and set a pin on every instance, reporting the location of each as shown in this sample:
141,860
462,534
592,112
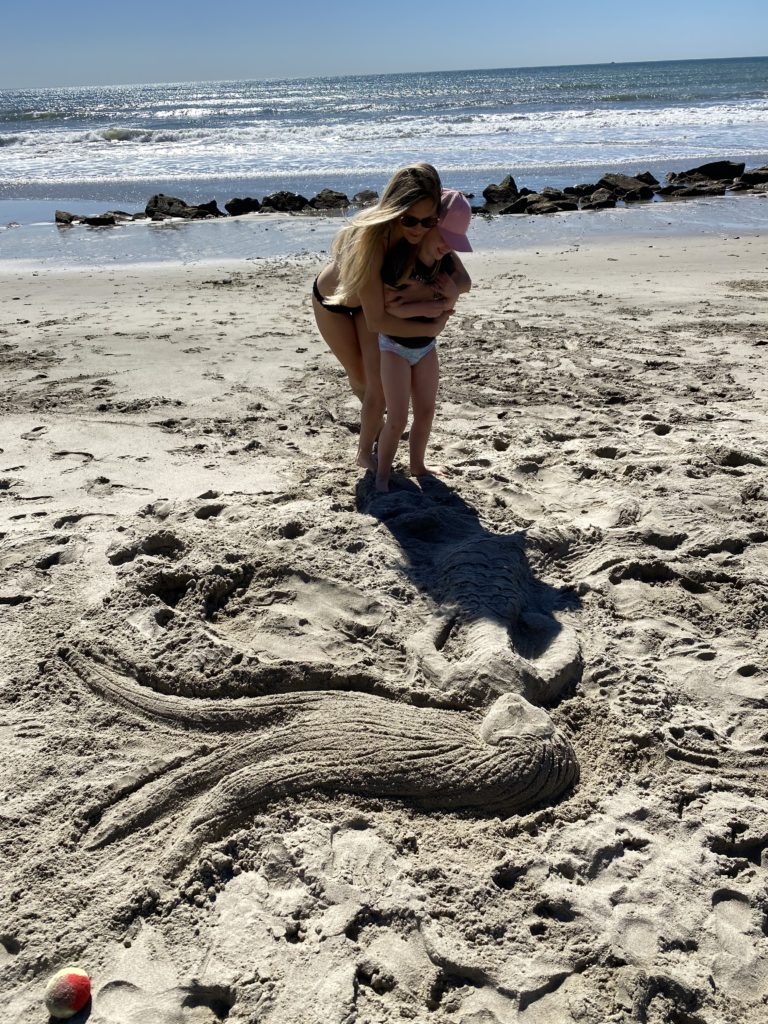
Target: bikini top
399,256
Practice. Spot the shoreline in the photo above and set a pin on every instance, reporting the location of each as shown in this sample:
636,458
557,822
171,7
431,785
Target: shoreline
278,236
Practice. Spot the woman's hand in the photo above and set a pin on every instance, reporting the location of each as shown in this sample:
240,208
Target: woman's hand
407,310
410,291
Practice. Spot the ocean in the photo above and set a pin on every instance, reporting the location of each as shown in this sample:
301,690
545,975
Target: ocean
89,149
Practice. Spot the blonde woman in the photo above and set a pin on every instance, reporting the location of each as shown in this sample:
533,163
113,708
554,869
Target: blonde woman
349,295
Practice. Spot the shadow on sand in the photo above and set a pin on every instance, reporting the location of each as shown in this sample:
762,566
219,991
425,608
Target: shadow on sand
495,627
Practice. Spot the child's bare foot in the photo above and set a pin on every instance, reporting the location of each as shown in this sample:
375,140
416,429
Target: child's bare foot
423,470
368,461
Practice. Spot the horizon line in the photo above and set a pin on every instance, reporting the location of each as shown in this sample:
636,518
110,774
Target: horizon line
381,74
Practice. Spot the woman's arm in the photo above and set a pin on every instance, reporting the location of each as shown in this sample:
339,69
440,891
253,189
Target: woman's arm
430,307
380,321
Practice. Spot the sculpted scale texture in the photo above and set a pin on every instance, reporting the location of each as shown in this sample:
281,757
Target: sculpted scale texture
452,725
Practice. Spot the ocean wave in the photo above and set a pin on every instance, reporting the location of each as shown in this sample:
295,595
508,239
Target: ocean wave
120,135
39,115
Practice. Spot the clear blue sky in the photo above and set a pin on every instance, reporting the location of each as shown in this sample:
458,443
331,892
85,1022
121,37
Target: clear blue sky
90,43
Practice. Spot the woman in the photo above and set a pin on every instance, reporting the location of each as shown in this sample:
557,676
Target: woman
348,295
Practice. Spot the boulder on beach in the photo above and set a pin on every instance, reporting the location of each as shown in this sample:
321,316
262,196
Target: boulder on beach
506,192
755,176
580,190
712,188
327,199
519,206
162,207
237,207
366,197
600,199
284,202
624,186
717,170
647,178
549,200
100,220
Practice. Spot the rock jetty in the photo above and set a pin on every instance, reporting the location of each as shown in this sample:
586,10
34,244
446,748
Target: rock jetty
715,178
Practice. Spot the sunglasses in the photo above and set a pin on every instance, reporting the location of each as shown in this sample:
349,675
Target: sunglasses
409,221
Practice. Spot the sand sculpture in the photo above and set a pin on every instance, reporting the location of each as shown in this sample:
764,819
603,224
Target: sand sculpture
458,731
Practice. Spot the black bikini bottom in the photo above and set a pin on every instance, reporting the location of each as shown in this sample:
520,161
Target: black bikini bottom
344,310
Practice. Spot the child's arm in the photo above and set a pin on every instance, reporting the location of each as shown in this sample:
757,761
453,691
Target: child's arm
459,275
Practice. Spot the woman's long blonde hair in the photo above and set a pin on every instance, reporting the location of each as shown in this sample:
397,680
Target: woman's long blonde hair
355,245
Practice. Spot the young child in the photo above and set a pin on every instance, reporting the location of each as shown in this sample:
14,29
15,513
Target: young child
422,286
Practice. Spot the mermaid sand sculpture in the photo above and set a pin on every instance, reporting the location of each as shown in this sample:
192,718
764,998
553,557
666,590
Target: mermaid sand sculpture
453,724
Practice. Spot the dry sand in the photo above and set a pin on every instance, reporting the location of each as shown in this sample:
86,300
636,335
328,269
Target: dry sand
272,744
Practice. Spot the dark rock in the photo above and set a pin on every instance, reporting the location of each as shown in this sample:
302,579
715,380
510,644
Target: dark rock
161,207
638,195
717,170
237,207
669,190
600,199
365,198
327,199
284,202
526,192
739,186
712,189
520,205
623,184
209,210
62,217
506,192
648,179
549,200
756,176
564,205
101,220
544,204
761,189
580,190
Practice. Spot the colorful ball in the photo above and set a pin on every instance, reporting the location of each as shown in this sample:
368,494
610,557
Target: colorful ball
67,992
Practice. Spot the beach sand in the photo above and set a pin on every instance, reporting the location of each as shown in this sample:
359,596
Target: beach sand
244,701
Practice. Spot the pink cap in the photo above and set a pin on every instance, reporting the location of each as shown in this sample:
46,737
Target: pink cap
455,215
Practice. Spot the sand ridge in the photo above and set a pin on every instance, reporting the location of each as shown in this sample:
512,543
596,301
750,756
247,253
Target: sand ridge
185,544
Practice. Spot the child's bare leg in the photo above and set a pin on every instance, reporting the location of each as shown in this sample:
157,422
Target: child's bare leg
396,381
372,412
426,375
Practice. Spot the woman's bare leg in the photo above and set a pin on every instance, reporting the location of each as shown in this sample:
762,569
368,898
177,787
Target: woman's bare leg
372,413
340,335
396,382
426,376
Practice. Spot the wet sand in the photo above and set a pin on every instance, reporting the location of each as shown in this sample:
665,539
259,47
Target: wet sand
488,749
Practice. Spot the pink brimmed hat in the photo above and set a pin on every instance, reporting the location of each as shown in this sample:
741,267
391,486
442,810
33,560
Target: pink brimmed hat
455,215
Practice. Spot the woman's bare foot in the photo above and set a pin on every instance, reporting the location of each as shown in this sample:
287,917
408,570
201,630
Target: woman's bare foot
382,484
